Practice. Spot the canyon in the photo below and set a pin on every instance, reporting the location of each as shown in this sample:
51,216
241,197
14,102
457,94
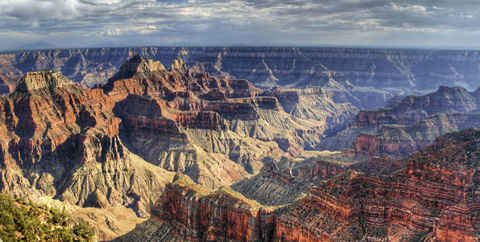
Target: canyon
434,198
408,124
368,78
198,151
118,145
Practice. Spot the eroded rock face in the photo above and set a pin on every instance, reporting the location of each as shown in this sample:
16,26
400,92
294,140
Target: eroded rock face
269,65
314,103
197,215
408,125
216,130
434,198
63,141
399,141
282,183
366,78
436,181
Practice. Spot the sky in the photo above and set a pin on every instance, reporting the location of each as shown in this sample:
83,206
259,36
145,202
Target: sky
88,23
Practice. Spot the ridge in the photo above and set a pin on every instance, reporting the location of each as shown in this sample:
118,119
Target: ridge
42,79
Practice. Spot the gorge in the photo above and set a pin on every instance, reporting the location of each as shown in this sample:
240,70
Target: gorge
246,143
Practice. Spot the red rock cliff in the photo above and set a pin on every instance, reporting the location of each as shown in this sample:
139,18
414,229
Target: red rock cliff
433,198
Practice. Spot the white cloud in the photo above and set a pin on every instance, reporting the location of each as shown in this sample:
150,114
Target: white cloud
144,30
408,7
233,21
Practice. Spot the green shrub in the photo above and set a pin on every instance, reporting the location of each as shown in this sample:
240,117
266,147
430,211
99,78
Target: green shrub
29,222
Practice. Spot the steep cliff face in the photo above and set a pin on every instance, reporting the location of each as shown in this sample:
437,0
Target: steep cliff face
7,84
272,65
414,109
400,141
433,198
408,125
282,183
63,141
437,181
197,215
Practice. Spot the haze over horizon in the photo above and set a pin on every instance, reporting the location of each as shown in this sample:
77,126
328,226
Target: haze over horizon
89,23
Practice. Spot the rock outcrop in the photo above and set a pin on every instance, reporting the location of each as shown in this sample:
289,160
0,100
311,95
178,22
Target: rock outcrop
216,130
282,183
63,141
434,198
408,125
117,145
198,215
399,141
314,102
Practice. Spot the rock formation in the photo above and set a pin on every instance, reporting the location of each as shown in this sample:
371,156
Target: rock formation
244,158
314,103
366,78
282,183
216,130
434,198
63,141
118,144
408,125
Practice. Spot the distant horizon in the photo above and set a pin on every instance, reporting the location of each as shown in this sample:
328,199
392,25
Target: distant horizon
461,48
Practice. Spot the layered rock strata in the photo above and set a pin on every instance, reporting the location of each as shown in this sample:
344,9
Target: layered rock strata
408,125
63,141
434,198
216,130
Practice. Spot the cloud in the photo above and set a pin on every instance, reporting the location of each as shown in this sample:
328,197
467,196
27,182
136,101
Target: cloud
144,30
416,9
223,22
34,12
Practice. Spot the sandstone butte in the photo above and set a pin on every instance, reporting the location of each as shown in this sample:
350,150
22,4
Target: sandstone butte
434,198
60,141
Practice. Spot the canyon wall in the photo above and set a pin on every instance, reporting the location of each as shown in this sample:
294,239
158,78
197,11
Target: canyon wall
434,198
345,69
407,124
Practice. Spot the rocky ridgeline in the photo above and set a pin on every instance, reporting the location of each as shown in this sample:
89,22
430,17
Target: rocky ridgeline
282,183
349,74
408,124
434,198
119,145
63,141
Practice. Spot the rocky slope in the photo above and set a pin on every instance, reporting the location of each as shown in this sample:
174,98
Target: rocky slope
316,103
282,183
108,152
61,141
434,198
407,125
216,130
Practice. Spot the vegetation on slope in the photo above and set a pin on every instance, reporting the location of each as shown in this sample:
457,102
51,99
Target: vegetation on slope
21,221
